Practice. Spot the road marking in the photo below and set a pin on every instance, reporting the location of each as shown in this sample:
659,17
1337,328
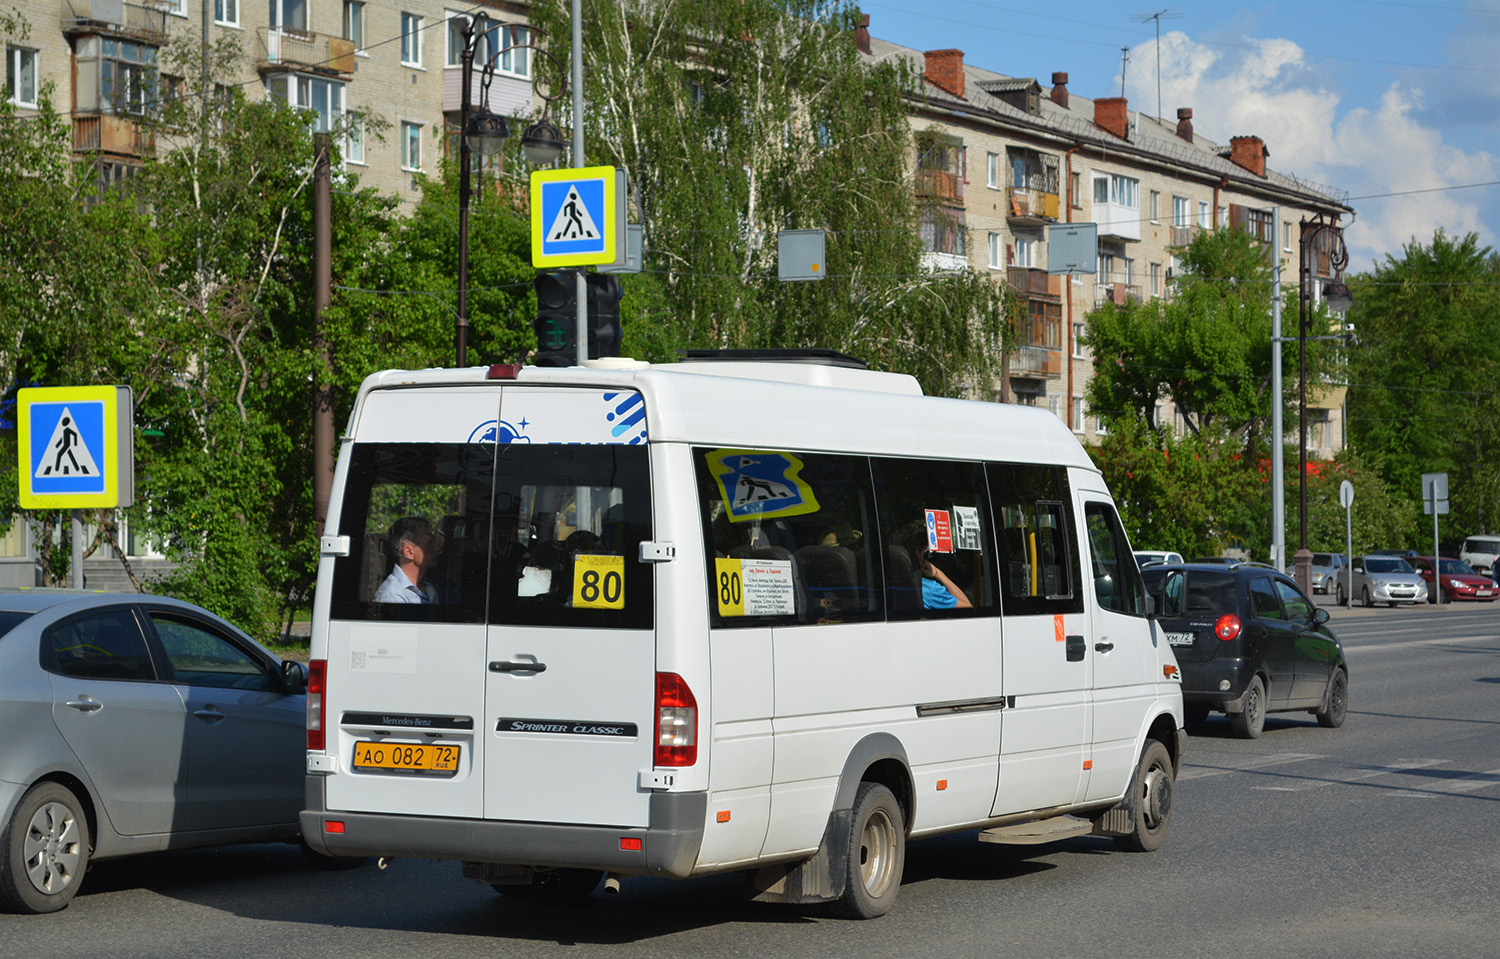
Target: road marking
1254,764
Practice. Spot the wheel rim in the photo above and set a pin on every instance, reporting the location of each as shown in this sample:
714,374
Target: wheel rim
53,848
877,849
1253,704
1336,696
1156,797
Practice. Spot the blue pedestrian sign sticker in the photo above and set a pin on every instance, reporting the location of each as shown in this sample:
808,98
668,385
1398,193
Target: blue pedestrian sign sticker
758,484
574,217
72,452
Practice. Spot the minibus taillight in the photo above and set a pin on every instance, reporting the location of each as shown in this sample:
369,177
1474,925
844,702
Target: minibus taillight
676,722
317,677
1228,627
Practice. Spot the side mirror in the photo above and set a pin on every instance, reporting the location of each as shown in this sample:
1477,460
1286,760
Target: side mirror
293,677
1320,615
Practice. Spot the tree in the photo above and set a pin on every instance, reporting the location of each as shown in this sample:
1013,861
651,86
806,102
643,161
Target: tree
1422,395
736,120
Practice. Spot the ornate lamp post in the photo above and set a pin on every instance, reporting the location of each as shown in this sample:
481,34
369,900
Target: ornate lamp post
1338,298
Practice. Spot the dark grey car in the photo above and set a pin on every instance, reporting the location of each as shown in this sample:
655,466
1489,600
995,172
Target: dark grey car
133,724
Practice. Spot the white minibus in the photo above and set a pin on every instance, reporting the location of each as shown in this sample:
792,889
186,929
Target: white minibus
725,614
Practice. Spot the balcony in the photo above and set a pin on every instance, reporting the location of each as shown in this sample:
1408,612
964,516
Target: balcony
1183,235
1117,293
101,133
282,48
1031,207
1117,220
1036,361
145,22
1035,284
940,185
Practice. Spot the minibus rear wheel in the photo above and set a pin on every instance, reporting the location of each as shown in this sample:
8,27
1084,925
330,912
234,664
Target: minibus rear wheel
876,856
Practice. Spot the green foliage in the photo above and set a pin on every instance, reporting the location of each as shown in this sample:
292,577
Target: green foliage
736,120
1380,519
1422,395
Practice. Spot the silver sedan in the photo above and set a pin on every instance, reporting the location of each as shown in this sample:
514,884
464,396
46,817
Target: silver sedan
1387,579
133,724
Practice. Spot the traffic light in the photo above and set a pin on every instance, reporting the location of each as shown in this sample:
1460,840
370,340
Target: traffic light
556,321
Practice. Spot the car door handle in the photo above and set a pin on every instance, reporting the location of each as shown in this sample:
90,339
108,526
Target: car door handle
1075,649
85,705
1103,647
209,714
510,667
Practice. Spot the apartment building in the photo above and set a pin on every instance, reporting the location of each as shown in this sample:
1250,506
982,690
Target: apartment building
1001,158
356,66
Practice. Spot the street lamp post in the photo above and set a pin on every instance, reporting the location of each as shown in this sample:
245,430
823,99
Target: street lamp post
484,133
1337,296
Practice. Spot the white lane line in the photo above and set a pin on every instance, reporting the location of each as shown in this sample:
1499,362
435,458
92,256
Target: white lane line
1194,771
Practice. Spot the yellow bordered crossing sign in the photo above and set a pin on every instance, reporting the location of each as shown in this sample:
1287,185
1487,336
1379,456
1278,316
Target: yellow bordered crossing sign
76,446
575,217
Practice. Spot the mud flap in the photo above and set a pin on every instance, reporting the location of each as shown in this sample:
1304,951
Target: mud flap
819,879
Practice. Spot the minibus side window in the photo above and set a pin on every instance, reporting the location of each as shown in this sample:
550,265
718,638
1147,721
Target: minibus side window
569,523
790,536
936,532
422,509
1117,577
1039,564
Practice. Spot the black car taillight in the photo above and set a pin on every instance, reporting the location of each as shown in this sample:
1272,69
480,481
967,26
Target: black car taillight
1228,627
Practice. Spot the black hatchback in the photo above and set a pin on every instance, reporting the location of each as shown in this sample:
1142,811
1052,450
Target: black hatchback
1248,642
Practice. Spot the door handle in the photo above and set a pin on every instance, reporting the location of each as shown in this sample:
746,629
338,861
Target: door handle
209,714
1103,647
1077,646
510,667
85,705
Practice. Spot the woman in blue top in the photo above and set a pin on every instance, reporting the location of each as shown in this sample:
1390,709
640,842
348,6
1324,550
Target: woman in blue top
938,591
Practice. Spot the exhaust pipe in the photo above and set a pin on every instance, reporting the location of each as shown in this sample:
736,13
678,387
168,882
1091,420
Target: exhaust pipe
611,884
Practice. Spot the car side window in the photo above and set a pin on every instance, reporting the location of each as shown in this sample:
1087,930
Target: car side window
102,645
1117,579
201,657
1298,608
1263,601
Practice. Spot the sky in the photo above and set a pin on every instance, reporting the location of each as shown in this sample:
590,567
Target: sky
1395,104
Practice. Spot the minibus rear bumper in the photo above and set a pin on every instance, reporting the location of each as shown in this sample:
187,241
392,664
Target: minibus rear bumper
667,848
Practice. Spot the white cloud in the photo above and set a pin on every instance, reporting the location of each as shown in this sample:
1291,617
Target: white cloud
1268,89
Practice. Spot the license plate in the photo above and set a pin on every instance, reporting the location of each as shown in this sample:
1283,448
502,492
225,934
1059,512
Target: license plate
408,757
1484,592
1181,639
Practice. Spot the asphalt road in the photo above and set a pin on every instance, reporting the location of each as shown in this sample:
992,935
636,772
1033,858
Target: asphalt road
1372,840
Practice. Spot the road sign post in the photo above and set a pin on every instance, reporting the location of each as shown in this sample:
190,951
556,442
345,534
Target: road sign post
1435,501
1346,500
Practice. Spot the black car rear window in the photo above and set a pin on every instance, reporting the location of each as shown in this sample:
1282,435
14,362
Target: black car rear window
10,619
1204,591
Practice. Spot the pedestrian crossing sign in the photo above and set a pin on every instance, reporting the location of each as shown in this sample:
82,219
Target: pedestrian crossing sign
76,446
575,217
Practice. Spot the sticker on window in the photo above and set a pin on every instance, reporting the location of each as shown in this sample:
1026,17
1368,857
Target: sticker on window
939,531
966,528
598,582
753,587
758,485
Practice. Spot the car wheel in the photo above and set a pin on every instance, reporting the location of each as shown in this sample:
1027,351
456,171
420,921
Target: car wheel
1364,596
876,856
1151,791
1339,596
44,851
555,884
1331,716
1248,723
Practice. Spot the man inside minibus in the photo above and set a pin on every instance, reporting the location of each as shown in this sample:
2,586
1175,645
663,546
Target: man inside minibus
416,548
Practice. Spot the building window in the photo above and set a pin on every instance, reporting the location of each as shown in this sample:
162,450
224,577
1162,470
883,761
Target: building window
20,75
1054,406
515,56
177,8
1079,411
1078,353
227,12
1180,211
354,139
1075,189
1286,243
1223,219
354,23
1203,215
1155,206
411,40
1156,279
997,243
1125,191
1101,189
1099,426
943,231
411,146
115,76
992,170
1025,251
325,98
289,14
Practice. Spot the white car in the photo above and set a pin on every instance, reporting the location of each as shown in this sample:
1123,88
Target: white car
1387,579
1148,557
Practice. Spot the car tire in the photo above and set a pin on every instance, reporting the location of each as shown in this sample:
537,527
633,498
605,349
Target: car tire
1151,791
44,850
1364,596
1339,596
1248,723
555,884
1336,705
876,855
